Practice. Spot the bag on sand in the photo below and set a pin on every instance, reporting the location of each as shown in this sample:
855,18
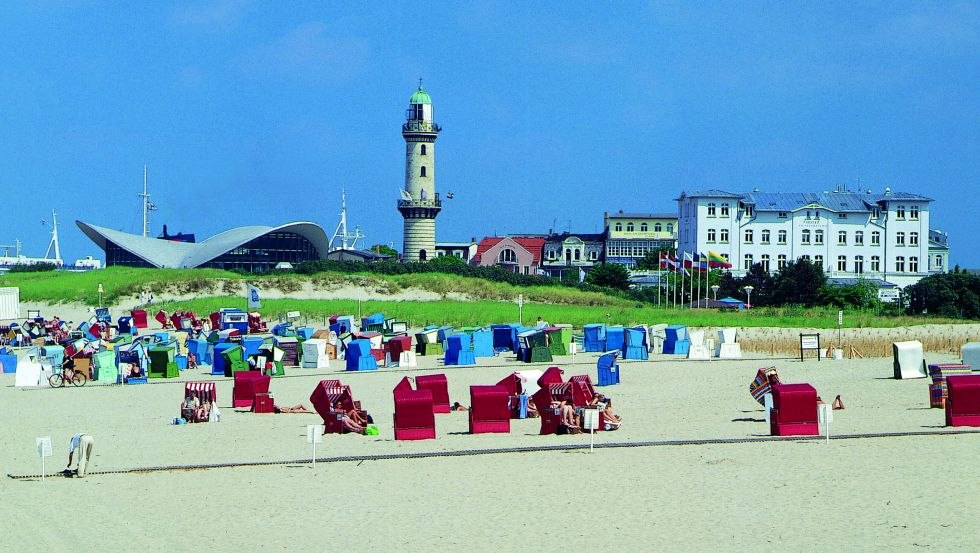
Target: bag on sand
371,431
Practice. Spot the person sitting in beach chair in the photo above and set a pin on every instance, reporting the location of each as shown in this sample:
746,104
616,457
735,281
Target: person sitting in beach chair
189,408
350,424
191,360
203,412
611,419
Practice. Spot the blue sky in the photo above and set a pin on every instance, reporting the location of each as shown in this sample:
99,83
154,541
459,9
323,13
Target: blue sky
252,113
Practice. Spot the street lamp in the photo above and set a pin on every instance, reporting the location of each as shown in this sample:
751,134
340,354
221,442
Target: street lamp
714,290
748,296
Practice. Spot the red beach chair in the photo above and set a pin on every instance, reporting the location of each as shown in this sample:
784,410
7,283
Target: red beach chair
489,409
582,390
247,384
963,400
794,410
324,396
435,383
550,416
413,418
139,318
205,391
161,318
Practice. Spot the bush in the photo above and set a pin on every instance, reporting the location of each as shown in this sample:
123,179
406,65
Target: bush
35,268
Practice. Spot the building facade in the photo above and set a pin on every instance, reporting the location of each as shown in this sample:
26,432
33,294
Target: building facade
851,235
521,254
630,236
463,250
419,204
566,254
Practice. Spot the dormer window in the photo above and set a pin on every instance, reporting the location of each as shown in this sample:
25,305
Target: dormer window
658,227
749,212
643,227
629,227
875,213
619,227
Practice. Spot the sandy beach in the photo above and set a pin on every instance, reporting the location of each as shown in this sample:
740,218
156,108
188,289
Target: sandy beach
893,492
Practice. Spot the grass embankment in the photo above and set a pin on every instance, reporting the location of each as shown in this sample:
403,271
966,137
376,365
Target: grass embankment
492,302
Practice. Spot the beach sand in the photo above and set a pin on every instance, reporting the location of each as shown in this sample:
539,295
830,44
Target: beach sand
896,493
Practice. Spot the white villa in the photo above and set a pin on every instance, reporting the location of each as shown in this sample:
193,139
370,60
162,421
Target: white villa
851,235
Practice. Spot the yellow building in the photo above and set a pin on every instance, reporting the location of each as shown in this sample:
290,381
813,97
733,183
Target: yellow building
630,236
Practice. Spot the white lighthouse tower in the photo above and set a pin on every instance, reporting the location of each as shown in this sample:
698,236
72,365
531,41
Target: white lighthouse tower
419,203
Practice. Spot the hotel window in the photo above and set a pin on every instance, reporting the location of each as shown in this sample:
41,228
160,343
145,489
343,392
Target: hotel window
724,235
781,261
914,212
422,172
658,227
842,238
619,227
423,149
913,239
859,264
507,255
900,238
711,235
711,209
765,262
875,264
629,227
899,264
805,258
816,214
670,228
783,215
939,262
859,238
578,255
748,236
805,236
749,211
842,263
724,210
808,214
643,227
748,262
875,213
913,264
900,212
842,215
765,237
818,236
781,237
593,255
875,238
818,261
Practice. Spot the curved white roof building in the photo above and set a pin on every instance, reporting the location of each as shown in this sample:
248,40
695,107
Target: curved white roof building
253,248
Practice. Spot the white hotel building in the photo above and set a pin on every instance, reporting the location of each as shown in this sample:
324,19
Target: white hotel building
851,235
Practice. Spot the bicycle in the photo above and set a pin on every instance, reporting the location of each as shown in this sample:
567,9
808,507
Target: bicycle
67,374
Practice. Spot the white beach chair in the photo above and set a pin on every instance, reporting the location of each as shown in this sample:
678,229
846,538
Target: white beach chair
699,350
909,361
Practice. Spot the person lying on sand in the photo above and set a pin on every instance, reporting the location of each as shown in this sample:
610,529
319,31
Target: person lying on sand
298,408
457,406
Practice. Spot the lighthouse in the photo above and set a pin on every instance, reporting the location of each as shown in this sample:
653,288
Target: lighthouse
419,203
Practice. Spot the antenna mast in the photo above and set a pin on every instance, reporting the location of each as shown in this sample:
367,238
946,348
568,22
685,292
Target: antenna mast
147,206
54,239
341,231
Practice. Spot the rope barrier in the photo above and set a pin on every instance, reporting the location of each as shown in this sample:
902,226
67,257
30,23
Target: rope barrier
506,450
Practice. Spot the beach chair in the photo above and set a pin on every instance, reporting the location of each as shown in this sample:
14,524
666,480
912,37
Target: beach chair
939,372
255,323
516,398
583,392
395,345
437,384
413,418
676,340
594,337
247,384
139,318
635,344
458,350
550,416
359,357
909,361
963,400
970,355
489,409
162,363
608,369
794,410
162,318
551,375
762,383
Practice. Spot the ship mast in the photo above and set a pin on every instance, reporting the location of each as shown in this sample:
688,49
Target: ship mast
341,231
147,206
54,238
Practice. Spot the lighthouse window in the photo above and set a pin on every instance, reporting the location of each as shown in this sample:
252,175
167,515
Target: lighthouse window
422,174
423,149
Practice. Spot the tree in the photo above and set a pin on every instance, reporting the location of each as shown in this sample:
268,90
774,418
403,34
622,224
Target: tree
955,294
609,275
651,260
385,250
762,284
862,295
799,282
446,264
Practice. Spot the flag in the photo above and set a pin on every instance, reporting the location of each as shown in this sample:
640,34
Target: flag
688,260
253,297
716,260
702,264
677,265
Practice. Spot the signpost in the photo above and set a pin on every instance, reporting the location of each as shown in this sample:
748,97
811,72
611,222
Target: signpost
101,291
809,342
520,309
43,445
825,415
590,421
314,435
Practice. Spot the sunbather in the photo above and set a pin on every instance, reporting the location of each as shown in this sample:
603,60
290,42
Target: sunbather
191,361
457,406
350,425
203,412
568,417
189,408
298,408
